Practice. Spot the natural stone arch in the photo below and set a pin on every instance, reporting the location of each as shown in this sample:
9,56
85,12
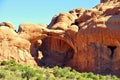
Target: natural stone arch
56,51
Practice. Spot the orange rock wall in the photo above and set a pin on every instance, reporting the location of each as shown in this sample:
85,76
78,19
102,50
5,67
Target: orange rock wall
86,40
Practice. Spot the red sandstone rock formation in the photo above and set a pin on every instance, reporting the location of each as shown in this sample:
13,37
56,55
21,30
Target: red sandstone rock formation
86,40
91,41
14,47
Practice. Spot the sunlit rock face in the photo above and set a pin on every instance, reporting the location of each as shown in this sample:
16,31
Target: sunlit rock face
86,40
90,42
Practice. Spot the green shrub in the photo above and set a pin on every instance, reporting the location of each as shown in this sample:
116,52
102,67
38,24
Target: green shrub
18,71
28,73
40,77
4,63
114,77
71,76
20,67
13,68
58,72
2,75
12,62
81,78
6,68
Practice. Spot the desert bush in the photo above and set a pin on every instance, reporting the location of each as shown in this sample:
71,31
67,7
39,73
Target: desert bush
28,73
40,77
13,68
4,63
115,78
12,62
18,71
64,72
2,75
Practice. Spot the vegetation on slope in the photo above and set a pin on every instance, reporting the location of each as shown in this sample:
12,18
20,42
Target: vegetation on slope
13,71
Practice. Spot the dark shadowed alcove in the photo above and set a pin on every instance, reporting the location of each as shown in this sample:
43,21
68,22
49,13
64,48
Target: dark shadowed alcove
55,52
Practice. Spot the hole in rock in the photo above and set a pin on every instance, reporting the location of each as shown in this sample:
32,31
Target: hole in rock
76,22
78,15
55,52
112,49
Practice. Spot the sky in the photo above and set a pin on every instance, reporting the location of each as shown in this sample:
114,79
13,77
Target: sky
38,11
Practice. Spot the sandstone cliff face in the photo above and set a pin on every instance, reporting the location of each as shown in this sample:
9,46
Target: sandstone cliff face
86,40
91,41
14,47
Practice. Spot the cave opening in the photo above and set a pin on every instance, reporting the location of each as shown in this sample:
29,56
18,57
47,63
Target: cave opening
78,15
56,52
75,23
112,49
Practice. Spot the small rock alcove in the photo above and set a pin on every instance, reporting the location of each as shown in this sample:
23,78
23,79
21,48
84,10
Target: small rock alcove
55,52
112,49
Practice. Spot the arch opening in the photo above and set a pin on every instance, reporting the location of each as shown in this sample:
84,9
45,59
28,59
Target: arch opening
56,52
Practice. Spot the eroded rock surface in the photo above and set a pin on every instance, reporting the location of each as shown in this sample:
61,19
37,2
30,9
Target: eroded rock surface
86,40
91,40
